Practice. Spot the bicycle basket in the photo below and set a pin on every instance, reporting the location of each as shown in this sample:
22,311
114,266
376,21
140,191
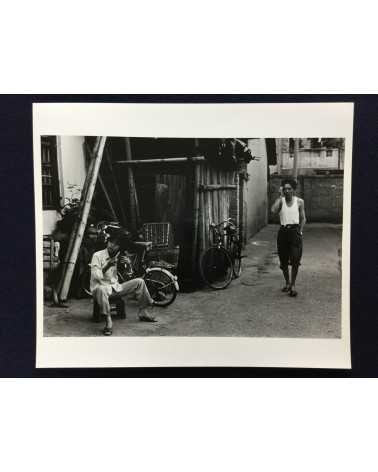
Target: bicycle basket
159,233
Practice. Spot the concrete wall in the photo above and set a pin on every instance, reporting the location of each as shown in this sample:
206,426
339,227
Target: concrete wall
323,196
256,189
71,171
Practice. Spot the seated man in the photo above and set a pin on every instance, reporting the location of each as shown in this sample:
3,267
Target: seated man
104,283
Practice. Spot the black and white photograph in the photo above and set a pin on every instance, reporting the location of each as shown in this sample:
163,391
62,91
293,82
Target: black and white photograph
177,237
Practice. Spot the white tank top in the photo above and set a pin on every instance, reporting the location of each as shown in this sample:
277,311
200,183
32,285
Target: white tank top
289,215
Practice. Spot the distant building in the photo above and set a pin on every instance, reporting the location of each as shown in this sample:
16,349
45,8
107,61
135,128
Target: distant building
316,155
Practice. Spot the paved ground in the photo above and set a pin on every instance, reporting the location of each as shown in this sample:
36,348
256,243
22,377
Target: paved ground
252,305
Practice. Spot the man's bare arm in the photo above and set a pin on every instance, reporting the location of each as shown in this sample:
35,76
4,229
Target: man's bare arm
277,205
302,215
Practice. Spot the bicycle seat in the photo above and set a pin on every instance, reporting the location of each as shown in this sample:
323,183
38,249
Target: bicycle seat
146,245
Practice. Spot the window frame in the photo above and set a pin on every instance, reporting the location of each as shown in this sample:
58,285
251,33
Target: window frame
51,142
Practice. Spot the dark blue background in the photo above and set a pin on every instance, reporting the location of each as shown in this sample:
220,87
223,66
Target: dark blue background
17,299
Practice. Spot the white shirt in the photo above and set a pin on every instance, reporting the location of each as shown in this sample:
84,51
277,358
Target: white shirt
109,279
289,215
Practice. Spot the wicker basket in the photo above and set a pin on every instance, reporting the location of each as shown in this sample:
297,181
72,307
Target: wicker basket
160,234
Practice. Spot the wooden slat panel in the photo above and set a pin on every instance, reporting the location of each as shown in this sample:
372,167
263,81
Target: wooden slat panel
207,206
213,196
202,211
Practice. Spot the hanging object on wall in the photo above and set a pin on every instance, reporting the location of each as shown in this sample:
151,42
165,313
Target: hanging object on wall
228,153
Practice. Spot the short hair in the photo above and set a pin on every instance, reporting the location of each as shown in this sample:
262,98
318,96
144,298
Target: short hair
291,182
115,238
122,237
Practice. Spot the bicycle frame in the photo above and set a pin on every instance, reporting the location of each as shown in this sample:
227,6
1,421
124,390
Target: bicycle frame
224,233
139,266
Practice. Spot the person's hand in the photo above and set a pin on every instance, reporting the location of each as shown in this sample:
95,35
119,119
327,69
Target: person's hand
124,260
111,262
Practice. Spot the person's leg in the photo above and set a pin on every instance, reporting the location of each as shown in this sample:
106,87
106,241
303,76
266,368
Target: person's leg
295,257
101,297
137,287
284,258
285,271
294,273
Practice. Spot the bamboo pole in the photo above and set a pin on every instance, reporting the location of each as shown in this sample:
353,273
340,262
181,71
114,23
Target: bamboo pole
133,201
75,228
80,225
161,160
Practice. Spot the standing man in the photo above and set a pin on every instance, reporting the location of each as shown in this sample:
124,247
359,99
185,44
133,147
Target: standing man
105,285
289,239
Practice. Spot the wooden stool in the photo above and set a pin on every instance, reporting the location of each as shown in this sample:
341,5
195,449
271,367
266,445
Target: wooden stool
116,304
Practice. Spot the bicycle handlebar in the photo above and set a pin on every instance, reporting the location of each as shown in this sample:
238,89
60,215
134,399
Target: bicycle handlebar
228,222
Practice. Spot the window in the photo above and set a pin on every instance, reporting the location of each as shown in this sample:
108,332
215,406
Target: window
329,153
50,183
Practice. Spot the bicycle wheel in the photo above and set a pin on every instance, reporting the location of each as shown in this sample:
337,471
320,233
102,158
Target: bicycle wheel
161,287
236,259
216,268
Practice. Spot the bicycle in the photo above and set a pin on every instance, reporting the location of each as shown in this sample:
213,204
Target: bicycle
161,283
222,261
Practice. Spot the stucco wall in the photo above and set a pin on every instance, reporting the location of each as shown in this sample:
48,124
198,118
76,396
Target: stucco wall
71,170
256,191
71,163
49,221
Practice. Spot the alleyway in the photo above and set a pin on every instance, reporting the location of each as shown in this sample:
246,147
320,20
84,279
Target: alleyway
252,305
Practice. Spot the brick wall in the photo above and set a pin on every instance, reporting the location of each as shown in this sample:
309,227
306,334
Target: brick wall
323,196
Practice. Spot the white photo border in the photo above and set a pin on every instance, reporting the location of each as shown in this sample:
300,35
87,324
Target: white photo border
194,120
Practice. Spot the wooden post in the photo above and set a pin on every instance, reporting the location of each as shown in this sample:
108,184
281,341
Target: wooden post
80,225
296,157
107,198
110,164
133,199
242,210
279,155
201,213
340,159
196,203
237,177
